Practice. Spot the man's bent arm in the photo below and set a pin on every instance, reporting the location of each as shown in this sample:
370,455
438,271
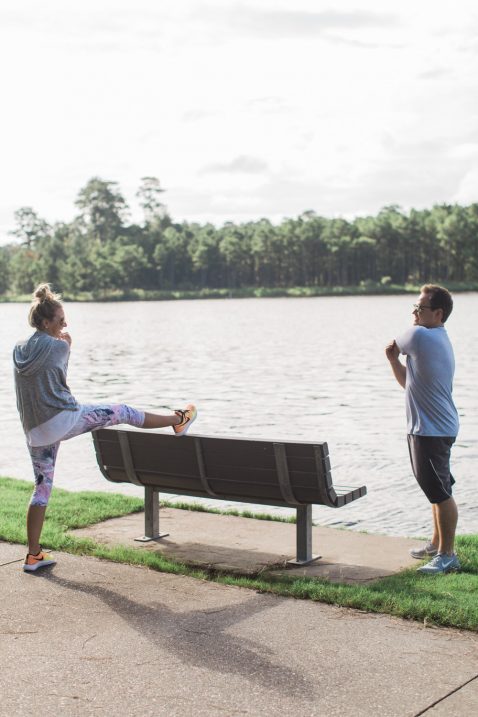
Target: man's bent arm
399,370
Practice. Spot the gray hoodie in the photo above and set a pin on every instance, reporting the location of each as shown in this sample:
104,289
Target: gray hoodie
40,366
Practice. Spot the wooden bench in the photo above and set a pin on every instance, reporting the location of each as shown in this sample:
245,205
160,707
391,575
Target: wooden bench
289,474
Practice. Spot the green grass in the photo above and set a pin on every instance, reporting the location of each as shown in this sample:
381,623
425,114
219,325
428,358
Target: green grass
448,600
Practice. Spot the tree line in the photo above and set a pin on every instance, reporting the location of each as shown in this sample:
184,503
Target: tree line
101,251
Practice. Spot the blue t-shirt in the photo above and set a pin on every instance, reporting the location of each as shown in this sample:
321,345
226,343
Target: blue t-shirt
429,384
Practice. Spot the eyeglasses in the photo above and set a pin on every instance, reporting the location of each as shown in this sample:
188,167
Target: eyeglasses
420,307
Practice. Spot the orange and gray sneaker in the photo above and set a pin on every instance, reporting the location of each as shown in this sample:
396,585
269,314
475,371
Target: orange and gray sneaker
187,417
35,562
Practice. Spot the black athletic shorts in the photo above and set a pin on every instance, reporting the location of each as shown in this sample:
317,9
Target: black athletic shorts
430,459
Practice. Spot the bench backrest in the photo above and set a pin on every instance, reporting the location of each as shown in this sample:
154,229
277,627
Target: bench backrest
237,469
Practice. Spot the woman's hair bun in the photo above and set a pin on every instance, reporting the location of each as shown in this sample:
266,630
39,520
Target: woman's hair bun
43,293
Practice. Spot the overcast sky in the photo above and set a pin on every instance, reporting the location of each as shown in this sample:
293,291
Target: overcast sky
247,109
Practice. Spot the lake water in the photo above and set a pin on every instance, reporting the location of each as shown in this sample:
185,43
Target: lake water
298,369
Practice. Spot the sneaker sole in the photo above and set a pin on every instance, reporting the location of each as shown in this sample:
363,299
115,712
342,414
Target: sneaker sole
38,566
439,572
424,556
184,431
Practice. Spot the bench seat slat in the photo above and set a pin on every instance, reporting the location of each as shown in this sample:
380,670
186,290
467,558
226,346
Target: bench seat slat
235,490
305,487
184,484
298,479
251,459
219,472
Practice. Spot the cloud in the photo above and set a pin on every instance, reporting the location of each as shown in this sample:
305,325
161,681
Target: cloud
88,26
280,24
467,191
197,114
360,44
410,174
416,187
464,150
241,164
269,105
436,74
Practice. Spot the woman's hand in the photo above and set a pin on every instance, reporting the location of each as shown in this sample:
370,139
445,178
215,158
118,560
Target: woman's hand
65,336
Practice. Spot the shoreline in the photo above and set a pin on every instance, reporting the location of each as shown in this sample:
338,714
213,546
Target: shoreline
366,289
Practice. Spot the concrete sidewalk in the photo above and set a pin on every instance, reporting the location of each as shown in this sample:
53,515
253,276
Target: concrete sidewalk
249,546
89,637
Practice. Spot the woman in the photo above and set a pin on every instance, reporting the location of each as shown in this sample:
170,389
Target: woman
50,414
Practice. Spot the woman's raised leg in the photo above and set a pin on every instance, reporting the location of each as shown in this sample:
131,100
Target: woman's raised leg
100,416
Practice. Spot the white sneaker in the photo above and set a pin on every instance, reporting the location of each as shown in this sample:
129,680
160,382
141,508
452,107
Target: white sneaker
441,563
429,551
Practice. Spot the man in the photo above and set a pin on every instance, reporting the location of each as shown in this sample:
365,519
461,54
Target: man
432,419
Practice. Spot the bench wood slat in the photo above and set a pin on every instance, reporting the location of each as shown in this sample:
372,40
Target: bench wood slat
283,474
202,469
127,458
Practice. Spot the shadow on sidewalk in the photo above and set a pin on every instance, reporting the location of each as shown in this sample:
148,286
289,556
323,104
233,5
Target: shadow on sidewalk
200,637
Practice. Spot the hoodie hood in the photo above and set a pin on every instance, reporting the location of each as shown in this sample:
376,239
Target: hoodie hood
30,355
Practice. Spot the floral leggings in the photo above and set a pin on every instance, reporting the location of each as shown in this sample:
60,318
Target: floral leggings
91,417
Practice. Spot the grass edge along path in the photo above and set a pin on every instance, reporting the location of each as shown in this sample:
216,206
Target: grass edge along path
448,600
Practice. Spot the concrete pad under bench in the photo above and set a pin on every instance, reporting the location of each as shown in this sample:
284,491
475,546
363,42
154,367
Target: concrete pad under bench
248,546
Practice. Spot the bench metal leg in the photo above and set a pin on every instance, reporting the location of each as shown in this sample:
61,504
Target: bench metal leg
151,516
304,537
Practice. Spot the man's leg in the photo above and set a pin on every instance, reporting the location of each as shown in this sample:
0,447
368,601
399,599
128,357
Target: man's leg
447,518
435,541
445,561
430,458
